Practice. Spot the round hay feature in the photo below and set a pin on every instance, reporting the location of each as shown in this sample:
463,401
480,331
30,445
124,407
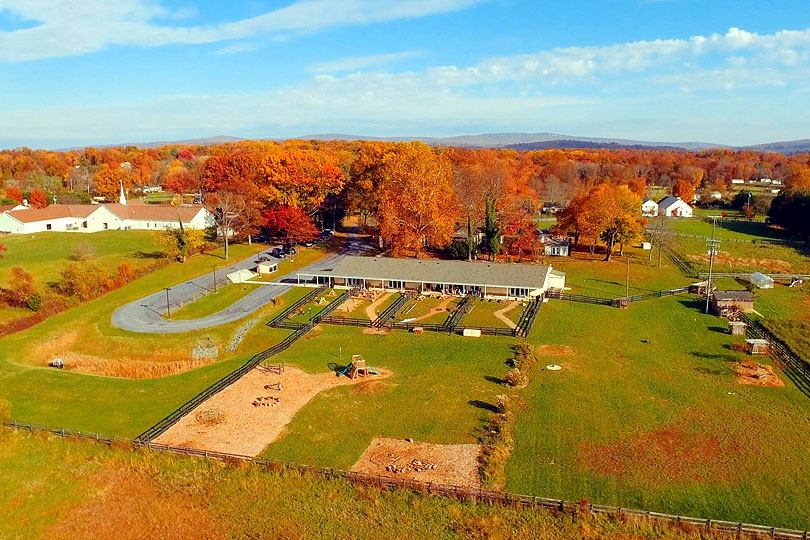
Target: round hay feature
210,417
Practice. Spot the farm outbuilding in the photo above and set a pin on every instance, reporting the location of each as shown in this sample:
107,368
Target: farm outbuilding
756,346
485,279
725,303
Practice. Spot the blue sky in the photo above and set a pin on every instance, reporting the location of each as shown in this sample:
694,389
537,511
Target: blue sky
733,72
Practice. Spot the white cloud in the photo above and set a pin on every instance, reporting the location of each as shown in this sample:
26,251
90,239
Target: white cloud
72,27
361,62
237,48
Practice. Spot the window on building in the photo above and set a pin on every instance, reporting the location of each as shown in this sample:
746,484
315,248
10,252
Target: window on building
105,226
48,227
394,284
518,291
84,224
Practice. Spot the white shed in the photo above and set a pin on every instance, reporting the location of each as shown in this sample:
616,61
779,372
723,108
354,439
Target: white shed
674,207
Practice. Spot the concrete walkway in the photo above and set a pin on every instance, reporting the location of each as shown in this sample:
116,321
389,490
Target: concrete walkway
147,314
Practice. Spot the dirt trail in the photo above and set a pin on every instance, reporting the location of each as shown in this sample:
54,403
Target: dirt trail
244,428
371,310
501,314
441,308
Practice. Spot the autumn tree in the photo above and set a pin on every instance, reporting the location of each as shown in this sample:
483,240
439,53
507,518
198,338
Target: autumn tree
684,189
181,242
291,223
232,213
108,180
365,176
38,199
14,193
299,178
21,287
417,204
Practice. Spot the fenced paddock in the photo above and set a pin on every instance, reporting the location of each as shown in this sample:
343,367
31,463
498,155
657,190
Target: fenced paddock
554,506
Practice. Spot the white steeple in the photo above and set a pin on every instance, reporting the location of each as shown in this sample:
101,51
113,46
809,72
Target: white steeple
123,198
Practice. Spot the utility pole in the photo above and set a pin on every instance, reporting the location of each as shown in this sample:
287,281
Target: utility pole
627,280
168,307
215,277
712,245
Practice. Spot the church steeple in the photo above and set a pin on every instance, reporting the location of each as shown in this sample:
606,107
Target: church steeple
123,198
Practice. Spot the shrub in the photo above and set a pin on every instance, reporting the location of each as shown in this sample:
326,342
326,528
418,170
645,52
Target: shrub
34,302
458,249
84,252
515,377
21,287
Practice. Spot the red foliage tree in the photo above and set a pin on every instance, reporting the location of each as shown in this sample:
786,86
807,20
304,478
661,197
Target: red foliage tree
185,154
290,222
38,199
14,193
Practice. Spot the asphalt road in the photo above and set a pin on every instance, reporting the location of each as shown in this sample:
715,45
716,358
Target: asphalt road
147,314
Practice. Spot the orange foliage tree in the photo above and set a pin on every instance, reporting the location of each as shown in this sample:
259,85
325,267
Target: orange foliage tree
14,193
299,178
108,180
417,205
38,199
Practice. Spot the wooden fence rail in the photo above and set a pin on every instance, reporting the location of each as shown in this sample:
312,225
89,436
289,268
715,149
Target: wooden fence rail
796,367
282,317
556,506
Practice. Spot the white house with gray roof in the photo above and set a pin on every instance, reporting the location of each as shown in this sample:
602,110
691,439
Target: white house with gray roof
487,279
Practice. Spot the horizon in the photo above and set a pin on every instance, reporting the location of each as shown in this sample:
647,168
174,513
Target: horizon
163,70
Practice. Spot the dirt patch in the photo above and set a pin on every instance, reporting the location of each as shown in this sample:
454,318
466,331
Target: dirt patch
501,314
350,305
455,464
754,374
377,331
726,259
668,453
129,505
554,350
254,411
370,387
371,310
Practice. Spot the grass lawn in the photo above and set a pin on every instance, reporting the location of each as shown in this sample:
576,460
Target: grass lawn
311,309
590,275
55,488
214,302
441,390
735,230
421,306
482,314
44,254
660,425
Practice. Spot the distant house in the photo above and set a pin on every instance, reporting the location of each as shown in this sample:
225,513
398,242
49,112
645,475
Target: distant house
776,182
551,207
766,180
649,208
737,181
724,303
557,247
716,195
674,207
775,191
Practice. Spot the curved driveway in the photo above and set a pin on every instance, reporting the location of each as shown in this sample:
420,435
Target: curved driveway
147,314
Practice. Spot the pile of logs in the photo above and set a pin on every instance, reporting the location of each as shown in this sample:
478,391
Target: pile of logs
266,401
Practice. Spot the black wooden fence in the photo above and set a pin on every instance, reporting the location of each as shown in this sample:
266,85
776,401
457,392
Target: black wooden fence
283,316
392,310
622,301
555,506
683,264
796,367
527,318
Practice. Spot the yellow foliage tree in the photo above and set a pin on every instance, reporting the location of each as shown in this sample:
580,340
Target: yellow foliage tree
417,204
108,180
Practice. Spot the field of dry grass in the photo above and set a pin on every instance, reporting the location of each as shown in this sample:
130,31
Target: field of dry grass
57,489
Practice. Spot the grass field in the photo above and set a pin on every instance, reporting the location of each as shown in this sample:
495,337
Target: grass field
422,305
214,302
441,390
44,254
59,489
660,425
482,314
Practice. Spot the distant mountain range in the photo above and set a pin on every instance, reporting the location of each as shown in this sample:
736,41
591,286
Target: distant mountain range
517,141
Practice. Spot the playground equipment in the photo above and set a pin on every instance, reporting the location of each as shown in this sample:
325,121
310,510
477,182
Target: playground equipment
357,368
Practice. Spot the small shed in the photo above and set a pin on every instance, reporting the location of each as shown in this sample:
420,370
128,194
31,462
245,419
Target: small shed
267,266
736,328
756,346
761,280
700,287
724,303
557,247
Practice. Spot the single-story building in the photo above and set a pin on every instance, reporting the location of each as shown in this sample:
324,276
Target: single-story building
674,207
649,208
485,279
90,218
557,247
726,302
737,181
267,265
